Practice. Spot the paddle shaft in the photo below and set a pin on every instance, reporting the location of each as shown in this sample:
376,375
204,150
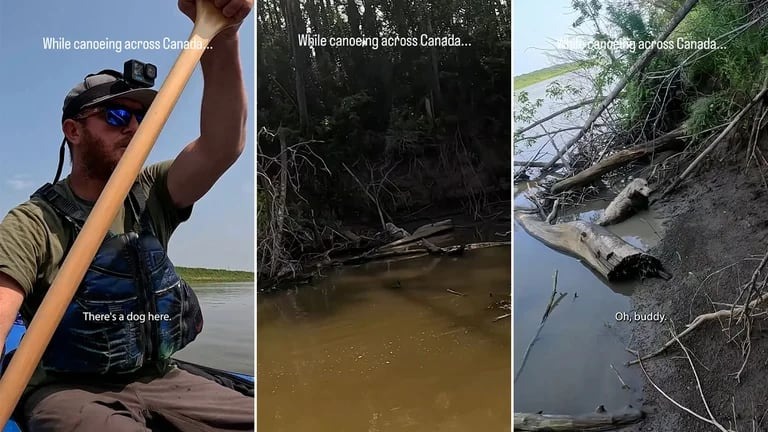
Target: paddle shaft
208,22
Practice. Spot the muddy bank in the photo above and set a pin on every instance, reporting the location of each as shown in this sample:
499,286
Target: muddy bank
360,241
715,237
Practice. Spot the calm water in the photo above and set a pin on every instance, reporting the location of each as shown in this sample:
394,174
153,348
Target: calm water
227,338
568,370
542,149
386,347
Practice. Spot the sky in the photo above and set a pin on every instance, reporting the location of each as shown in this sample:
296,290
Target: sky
537,25
34,82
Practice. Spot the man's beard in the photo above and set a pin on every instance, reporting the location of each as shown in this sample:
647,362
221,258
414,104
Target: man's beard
98,162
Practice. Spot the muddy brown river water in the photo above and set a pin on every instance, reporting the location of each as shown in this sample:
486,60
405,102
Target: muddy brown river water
386,347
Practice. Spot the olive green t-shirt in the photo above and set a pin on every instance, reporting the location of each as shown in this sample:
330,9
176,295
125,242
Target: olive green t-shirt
34,238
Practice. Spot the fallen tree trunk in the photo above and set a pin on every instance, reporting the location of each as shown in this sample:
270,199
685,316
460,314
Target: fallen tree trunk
665,142
534,164
607,254
598,421
633,198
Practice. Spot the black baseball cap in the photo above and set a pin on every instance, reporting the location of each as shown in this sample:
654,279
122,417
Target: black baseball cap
102,87
97,89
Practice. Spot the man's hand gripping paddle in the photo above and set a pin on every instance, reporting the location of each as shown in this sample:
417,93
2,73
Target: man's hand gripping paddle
208,22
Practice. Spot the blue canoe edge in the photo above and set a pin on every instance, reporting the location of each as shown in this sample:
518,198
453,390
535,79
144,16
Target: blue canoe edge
12,342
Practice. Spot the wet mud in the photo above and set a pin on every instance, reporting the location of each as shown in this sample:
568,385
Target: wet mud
716,234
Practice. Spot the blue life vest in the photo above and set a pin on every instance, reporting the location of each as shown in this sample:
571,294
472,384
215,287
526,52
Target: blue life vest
131,307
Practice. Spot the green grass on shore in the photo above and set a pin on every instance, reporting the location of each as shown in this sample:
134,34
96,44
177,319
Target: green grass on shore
525,80
194,274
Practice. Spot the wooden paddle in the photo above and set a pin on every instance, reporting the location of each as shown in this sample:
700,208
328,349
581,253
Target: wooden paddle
208,22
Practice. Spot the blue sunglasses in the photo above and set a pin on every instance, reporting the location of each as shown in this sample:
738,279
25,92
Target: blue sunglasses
118,116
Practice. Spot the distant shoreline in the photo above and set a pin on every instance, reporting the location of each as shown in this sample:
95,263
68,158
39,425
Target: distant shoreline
197,274
525,80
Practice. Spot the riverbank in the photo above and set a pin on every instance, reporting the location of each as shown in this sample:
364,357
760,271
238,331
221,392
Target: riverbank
715,238
197,275
520,82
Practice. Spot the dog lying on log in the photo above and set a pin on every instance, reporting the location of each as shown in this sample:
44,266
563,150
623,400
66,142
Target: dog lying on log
633,198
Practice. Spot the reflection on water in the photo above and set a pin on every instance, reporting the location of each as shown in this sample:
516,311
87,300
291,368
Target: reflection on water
227,338
568,370
387,347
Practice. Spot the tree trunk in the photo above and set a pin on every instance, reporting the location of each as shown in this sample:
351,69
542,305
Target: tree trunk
533,164
370,24
598,421
281,197
607,254
353,15
438,94
292,19
619,159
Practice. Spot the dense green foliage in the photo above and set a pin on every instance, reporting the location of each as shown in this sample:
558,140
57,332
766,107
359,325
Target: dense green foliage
685,83
372,108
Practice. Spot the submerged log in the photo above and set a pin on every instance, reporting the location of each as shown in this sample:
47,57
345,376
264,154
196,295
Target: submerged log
633,198
598,421
665,142
607,254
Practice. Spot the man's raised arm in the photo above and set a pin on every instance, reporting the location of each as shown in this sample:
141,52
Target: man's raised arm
222,117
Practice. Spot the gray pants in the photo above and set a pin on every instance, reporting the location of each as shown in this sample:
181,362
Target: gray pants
177,401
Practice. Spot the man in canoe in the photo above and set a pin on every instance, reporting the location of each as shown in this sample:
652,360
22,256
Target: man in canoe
108,366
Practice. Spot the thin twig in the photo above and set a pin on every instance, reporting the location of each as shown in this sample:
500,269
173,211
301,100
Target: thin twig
701,319
698,382
557,113
455,292
507,315
365,189
623,384
677,404
541,325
